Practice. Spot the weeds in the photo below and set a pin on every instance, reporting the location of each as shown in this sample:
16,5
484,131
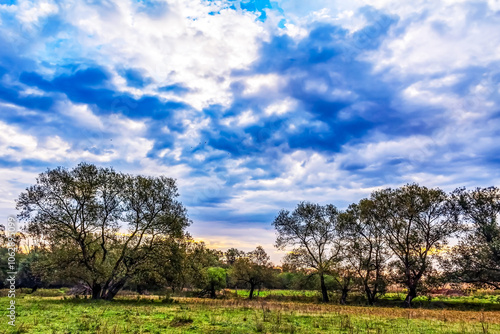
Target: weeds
181,320
150,314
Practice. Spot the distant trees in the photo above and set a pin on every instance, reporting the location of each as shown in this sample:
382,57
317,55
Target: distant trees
312,230
101,226
233,254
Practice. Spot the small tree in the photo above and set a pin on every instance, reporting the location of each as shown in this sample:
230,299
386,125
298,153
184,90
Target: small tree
101,226
215,280
254,269
199,259
312,230
167,266
27,276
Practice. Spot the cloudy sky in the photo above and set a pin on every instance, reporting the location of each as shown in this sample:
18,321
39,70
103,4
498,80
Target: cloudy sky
253,105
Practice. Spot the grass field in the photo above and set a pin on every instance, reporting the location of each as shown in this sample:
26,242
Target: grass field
154,314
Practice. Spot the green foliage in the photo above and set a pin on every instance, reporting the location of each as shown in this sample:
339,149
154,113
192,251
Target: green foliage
312,230
366,251
215,280
297,281
415,222
28,276
476,259
178,263
254,269
78,214
217,277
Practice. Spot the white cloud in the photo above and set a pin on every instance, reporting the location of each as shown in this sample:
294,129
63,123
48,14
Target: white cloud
448,38
82,114
281,107
243,119
258,83
16,145
12,182
186,45
30,12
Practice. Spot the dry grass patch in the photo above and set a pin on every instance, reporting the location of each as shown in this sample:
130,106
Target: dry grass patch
445,315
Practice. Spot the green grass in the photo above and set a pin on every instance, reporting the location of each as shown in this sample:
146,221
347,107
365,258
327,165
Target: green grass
478,301
234,315
475,302
283,295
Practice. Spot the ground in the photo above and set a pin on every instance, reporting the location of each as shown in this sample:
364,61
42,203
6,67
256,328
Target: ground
272,312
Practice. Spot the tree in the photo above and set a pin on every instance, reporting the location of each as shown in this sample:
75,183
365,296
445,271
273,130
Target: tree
167,266
366,249
254,269
233,254
177,263
100,226
312,230
343,275
27,276
415,221
215,280
476,258
303,276
199,259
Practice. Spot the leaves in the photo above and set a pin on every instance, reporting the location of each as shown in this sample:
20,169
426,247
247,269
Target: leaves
99,225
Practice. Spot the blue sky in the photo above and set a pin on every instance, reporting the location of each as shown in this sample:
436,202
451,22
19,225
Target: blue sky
252,106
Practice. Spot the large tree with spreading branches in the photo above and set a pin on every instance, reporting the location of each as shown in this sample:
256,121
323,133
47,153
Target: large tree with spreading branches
99,226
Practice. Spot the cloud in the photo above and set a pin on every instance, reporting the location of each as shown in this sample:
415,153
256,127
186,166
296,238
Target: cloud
253,105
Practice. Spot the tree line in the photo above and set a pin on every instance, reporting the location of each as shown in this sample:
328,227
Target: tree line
101,231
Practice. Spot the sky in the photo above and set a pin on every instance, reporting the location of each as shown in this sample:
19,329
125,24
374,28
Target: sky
252,105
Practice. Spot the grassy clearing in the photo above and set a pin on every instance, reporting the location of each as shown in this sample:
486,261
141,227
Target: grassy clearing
194,315
478,301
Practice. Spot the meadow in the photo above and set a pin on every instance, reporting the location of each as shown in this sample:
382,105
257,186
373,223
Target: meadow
275,311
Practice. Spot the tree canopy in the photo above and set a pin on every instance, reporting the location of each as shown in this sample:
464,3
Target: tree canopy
476,258
312,230
100,225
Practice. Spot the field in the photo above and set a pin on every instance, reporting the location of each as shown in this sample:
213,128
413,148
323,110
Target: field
272,312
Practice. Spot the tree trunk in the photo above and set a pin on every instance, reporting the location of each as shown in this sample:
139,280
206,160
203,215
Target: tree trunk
113,290
370,296
252,287
343,297
212,292
96,291
324,292
412,293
